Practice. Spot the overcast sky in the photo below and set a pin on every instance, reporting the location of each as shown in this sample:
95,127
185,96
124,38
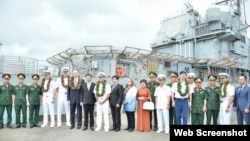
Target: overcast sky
42,28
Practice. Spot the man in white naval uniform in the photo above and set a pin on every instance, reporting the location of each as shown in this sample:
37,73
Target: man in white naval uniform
102,102
226,93
190,77
48,87
62,89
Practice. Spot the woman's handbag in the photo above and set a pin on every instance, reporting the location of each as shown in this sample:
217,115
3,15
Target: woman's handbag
148,105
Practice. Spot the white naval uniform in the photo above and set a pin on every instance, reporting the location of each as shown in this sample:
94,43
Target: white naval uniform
225,118
189,120
102,108
62,102
162,94
48,106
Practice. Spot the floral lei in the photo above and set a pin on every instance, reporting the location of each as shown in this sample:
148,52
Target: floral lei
224,90
71,83
103,88
186,90
62,82
48,84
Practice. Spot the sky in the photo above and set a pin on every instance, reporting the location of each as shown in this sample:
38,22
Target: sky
43,28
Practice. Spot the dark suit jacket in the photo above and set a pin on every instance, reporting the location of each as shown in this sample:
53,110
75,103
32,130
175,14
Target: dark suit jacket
242,99
116,95
88,96
74,96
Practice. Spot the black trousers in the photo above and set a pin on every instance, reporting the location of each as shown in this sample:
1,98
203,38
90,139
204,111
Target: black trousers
116,116
153,125
88,115
73,108
131,120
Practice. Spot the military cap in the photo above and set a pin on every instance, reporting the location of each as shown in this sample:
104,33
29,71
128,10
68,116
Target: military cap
6,75
161,77
173,74
211,77
152,74
101,74
21,75
65,69
223,75
191,75
198,80
46,72
35,76
182,72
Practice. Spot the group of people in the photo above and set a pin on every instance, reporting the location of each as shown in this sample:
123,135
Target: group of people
182,101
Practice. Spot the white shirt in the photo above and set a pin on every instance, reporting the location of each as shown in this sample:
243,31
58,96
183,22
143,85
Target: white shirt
230,92
174,90
51,87
60,87
162,94
107,90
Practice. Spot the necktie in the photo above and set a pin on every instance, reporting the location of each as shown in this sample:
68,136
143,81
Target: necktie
75,82
239,90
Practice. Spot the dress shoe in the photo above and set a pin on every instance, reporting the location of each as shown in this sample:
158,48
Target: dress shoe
18,126
9,126
126,128
52,125
92,128
85,128
117,129
44,125
112,129
31,126
78,127
1,127
97,129
37,125
131,130
24,126
72,127
155,129
68,124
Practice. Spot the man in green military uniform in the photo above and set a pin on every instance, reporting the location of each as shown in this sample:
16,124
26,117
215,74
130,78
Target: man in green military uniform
213,100
34,100
19,101
152,84
173,79
6,91
199,103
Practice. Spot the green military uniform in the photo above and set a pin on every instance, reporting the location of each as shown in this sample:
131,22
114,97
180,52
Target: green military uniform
34,93
198,98
6,92
172,119
213,102
152,87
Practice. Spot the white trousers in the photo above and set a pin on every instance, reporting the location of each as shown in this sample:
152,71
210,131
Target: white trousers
225,118
163,116
102,109
62,103
48,107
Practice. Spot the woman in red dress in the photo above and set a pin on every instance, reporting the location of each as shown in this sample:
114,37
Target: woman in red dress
143,116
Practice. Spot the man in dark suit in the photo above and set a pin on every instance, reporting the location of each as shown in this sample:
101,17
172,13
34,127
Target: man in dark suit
88,102
115,103
241,103
74,98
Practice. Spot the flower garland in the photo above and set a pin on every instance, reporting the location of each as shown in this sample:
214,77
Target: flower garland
98,86
62,82
71,83
186,90
48,84
224,90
